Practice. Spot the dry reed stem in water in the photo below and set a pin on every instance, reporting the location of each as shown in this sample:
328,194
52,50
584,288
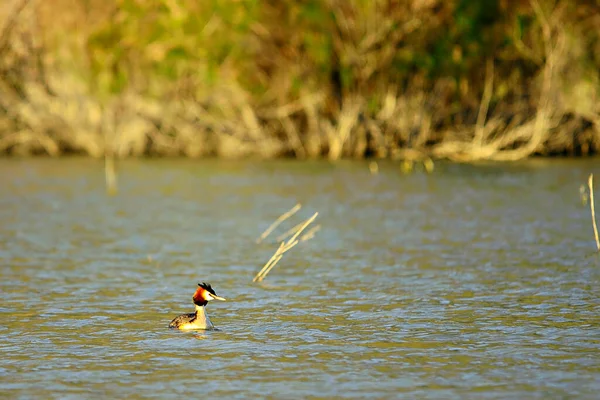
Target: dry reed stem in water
289,232
110,175
272,261
283,247
429,165
275,261
592,208
308,222
583,195
310,234
373,167
278,221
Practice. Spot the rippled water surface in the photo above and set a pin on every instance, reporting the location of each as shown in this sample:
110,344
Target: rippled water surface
473,282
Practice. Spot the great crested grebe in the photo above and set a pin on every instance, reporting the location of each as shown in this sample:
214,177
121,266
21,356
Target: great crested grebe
198,319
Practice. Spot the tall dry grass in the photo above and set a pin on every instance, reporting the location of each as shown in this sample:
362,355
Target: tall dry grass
411,80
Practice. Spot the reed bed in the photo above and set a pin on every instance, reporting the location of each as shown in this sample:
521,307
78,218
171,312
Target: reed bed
324,79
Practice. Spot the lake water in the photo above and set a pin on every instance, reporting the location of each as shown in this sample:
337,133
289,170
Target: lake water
473,282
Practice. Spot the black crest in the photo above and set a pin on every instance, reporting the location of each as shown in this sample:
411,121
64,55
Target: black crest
207,286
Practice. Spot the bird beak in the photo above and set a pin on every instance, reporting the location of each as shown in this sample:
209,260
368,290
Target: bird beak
217,297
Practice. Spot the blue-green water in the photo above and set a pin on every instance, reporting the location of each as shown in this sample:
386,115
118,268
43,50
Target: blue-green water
471,282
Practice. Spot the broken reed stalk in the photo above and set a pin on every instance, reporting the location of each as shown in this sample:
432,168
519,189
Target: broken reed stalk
283,247
592,208
289,232
110,175
303,227
310,234
272,261
278,221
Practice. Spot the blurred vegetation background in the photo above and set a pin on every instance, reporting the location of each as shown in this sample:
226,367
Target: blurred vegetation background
414,79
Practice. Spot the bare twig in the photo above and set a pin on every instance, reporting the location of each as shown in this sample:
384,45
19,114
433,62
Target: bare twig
592,208
278,221
283,247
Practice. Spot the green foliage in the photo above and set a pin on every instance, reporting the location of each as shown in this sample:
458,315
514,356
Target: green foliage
149,45
153,46
166,40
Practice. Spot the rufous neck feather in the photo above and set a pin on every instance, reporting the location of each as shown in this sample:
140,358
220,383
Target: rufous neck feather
199,297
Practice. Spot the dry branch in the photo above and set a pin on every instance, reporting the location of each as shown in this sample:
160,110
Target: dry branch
283,247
